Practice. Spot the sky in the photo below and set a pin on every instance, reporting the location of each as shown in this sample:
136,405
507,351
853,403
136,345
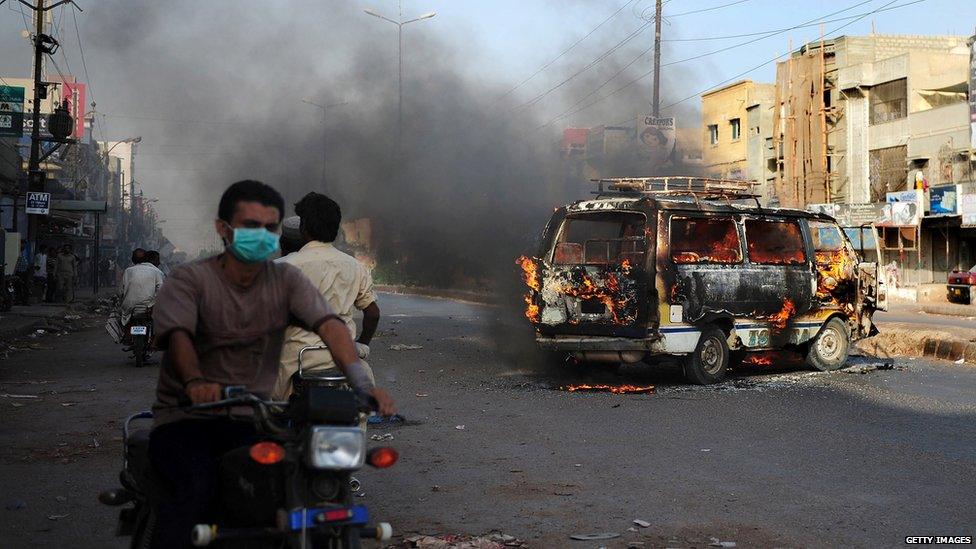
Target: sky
194,78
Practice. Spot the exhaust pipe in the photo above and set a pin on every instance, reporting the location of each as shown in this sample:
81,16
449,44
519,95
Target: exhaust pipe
627,357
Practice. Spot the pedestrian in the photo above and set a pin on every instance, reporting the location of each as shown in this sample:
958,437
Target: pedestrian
221,321
40,272
23,269
344,282
66,270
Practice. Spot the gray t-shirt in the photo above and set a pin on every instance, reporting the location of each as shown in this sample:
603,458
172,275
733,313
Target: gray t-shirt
237,332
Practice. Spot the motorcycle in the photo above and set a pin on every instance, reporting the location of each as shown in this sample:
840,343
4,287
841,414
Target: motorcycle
292,489
140,331
8,293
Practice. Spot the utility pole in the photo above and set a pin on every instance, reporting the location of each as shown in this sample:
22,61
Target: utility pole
325,132
35,177
656,104
399,23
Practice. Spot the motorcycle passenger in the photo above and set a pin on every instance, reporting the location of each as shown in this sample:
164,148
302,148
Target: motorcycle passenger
221,321
344,282
140,284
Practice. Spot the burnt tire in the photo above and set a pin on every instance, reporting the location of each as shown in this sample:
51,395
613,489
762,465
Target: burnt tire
829,349
709,363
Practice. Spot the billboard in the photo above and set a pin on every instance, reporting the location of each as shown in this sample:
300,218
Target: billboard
906,208
656,137
967,208
11,111
943,200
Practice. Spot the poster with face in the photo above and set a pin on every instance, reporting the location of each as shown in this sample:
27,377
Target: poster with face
656,137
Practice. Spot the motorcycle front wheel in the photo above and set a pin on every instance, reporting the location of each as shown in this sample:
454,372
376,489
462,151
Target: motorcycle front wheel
145,528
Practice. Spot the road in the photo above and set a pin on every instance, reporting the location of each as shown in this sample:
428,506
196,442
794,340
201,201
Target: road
784,458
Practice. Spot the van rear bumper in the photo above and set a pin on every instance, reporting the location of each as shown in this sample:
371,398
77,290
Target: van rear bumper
598,343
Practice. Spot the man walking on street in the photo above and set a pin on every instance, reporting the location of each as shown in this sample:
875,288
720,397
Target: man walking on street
344,282
66,270
221,322
40,273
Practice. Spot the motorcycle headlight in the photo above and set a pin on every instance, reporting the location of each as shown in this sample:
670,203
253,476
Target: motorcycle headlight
337,448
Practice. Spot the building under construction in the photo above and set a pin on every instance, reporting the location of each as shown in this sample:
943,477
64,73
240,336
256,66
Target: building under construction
859,119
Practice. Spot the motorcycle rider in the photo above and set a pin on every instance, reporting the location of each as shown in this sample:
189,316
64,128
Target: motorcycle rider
221,321
344,282
140,284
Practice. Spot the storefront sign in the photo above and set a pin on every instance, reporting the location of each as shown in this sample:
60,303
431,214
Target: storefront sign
38,203
855,215
967,207
656,138
11,111
942,200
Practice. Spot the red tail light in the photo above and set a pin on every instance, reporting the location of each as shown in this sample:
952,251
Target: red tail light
382,457
267,453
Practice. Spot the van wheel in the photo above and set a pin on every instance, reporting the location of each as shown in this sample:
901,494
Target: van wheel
829,349
710,361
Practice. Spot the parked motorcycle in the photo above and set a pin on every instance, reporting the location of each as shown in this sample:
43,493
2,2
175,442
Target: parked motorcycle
140,330
292,489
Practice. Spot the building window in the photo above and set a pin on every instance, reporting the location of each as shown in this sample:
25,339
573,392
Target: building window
736,128
889,101
887,171
713,134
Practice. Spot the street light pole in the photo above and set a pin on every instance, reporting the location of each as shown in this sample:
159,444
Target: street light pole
325,131
400,23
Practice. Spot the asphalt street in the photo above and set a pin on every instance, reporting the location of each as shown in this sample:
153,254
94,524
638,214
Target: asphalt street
776,457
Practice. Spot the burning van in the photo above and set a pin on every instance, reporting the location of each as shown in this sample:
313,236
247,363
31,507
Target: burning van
695,268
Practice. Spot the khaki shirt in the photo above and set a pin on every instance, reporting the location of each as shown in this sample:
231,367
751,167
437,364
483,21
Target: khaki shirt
237,332
346,285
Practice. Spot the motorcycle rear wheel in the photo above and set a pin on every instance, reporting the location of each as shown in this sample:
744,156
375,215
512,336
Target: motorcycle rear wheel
139,350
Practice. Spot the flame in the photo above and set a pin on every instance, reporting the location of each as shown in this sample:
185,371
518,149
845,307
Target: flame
756,359
780,319
726,250
530,275
832,265
615,389
608,294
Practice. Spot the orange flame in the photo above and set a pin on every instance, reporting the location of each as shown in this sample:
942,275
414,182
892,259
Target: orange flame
780,319
608,294
615,389
530,275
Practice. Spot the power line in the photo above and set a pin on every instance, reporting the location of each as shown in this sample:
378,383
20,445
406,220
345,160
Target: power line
703,10
567,50
770,31
571,112
593,63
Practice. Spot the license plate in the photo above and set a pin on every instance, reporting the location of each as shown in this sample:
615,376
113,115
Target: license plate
138,330
957,291
310,518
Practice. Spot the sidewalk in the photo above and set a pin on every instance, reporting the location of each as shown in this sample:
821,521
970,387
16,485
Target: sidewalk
22,320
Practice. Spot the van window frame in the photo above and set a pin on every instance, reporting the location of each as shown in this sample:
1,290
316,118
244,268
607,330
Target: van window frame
806,240
735,219
557,235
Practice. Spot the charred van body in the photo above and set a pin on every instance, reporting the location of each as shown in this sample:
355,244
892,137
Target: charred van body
695,267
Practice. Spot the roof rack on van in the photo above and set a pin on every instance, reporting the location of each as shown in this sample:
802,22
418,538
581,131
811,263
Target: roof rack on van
697,187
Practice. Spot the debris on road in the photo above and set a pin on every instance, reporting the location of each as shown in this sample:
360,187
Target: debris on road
615,389
595,537
403,347
380,438
379,421
56,517
867,368
10,395
422,395
717,543
16,504
642,523
458,541
459,427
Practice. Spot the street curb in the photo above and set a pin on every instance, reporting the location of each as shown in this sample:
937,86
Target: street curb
895,341
469,296
950,309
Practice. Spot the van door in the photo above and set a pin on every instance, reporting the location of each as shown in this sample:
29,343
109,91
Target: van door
595,276
780,272
706,251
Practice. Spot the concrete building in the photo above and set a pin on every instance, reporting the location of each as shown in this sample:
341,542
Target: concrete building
736,119
860,119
